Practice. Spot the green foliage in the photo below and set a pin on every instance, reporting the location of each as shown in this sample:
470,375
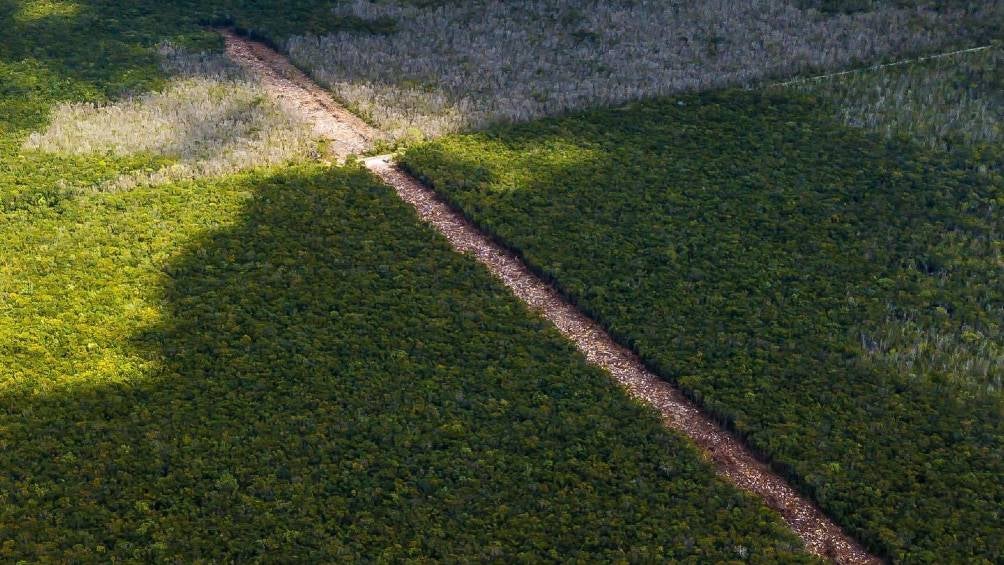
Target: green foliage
289,367
747,246
952,105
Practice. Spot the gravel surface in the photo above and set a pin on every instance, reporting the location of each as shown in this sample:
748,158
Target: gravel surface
348,134
730,457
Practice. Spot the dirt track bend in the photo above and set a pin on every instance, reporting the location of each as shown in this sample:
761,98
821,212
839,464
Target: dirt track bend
730,457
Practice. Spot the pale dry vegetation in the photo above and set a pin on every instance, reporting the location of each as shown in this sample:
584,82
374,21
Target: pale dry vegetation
944,102
211,119
964,356
964,349
460,65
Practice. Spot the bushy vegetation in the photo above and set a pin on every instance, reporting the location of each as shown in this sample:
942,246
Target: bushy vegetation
751,248
451,66
951,104
284,365
290,367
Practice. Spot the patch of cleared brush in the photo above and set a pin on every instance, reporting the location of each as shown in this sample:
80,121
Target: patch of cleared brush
211,119
951,104
454,66
959,342
965,356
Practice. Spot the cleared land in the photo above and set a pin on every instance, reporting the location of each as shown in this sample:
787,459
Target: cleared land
73,71
347,134
451,66
746,245
210,119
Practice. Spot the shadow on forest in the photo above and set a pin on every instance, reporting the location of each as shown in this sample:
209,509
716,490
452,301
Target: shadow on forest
753,250
286,414
332,382
308,360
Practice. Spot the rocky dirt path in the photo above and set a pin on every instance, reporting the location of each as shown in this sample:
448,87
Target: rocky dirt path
731,459
348,134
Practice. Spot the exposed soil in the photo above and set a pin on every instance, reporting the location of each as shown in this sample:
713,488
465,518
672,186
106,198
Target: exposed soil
729,456
348,134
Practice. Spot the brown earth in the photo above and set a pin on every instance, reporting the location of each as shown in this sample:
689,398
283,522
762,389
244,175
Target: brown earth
348,134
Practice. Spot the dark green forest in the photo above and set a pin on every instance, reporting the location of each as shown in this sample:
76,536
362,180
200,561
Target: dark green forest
285,365
758,253
352,391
